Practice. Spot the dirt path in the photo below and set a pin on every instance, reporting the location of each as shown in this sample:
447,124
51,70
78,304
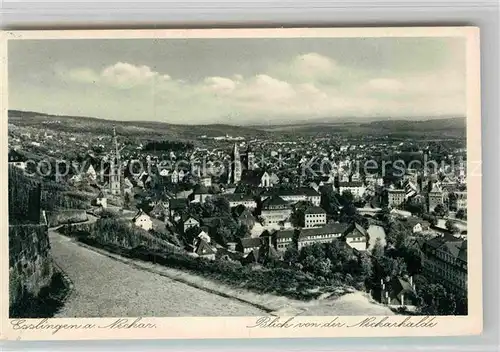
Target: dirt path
104,287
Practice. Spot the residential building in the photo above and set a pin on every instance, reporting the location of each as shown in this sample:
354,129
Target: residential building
101,200
200,194
236,199
356,188
189,222
356,237
248,244
142,220
283,239
206,181
204,250
398,292
314,217
396,197
17,159
460,200
445,261
323,234
275,210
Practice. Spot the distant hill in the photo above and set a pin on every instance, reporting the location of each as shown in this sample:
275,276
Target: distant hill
127,128
430,128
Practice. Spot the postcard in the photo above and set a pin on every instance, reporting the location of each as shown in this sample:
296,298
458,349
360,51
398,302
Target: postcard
241,183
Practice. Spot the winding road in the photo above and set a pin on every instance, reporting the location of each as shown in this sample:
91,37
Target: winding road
103,287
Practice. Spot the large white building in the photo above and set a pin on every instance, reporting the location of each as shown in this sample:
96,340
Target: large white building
314,217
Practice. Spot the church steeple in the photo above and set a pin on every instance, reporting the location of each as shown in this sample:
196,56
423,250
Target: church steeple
235,165
115,168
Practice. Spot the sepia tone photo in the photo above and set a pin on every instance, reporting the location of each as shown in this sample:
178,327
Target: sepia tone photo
255,175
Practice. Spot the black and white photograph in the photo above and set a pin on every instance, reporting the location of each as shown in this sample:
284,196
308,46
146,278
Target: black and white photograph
239,176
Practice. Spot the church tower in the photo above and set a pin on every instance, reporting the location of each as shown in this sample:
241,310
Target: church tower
115,168
250,158
235,165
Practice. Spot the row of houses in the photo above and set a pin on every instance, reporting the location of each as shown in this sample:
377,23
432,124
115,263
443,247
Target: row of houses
354,235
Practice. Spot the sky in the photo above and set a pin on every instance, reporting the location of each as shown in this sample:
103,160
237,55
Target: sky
239,81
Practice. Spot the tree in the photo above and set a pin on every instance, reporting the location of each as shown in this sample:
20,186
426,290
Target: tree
440,210
291,255
436,300
126,201
393,267
346,198
329,201
299,211
366,267
461,214
378,249
449,224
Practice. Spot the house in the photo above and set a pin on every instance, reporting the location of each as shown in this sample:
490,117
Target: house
177,206
252,257
90,173
356,188
275,210
248,244
356,237
312,195
244,216
396,197
189,222
200,194
283,239
417,225
203,234
460,200
142,220
445,261
326,233
398,292
159,211
434,197
204,250
314,216
206,181
101,200
236,199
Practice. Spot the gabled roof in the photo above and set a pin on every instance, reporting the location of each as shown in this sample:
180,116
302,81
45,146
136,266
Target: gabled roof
315,210
435,188
274,201
456,247
234,197
336,228
284,234
15,156
139,213
250,242
203,248
356,228
214,220
200,189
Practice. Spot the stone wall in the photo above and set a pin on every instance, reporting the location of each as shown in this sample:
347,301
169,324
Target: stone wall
30,262
62,217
